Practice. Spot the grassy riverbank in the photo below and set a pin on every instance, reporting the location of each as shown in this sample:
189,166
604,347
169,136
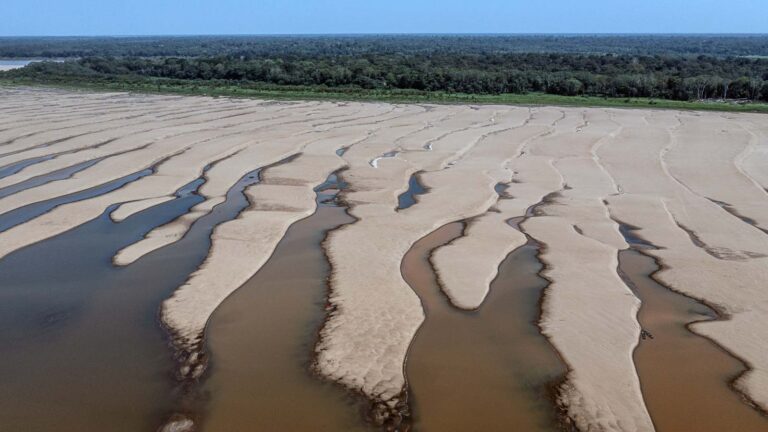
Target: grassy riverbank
229,89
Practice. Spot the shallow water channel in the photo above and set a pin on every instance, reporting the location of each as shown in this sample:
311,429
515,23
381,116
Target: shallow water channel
685,378
483,370
81,347
80,344
261,341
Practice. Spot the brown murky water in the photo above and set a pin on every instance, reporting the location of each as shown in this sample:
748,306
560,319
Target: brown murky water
484,370
81,348
261,341
684,377
80,345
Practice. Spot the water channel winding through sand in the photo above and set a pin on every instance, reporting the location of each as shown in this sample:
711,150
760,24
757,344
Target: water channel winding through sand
689,183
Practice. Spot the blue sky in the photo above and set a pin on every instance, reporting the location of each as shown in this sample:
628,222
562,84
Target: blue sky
141,17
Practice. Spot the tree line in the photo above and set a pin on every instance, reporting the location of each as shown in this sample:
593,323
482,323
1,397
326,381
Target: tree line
337,45
610,75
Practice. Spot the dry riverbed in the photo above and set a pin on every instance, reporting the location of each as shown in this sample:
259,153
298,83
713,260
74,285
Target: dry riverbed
422,247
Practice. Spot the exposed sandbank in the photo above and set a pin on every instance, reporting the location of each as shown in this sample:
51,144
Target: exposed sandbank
693,183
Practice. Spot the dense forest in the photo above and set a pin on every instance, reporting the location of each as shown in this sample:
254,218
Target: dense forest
340,45
664,67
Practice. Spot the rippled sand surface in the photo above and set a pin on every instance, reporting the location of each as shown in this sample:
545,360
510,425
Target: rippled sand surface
691,184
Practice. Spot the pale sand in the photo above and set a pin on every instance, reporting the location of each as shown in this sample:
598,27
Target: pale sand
694,184
82,136
708,160
737,288
170,137
728,266
581,246
124,211
489,238
755,158
226,171
383,235
284,195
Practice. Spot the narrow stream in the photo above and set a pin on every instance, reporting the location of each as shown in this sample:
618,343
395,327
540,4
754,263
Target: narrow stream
57,175
483,370
261,340
10,169
23,214
684,377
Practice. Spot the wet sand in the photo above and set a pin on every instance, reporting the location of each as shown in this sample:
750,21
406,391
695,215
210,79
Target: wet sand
262,340
685,377
488,369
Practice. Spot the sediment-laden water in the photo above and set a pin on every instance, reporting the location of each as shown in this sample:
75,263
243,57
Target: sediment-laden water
488,369
261,341
685,377
81,345
81,342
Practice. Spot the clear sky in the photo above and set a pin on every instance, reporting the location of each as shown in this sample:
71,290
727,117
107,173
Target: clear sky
156,17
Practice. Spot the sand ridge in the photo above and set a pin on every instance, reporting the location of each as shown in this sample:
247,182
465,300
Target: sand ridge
694,184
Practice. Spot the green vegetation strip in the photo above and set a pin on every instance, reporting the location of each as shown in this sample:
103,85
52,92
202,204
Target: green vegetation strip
208,88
